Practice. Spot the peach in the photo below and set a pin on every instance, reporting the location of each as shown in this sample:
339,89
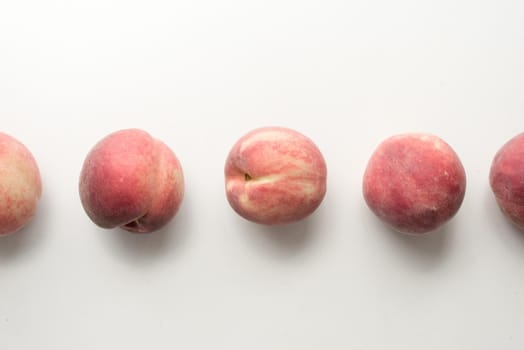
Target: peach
275,175
131,180
20,185
507,179
414,182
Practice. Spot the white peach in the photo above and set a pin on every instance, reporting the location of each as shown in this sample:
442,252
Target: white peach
131,180
414,182
507,179
275,175
20,185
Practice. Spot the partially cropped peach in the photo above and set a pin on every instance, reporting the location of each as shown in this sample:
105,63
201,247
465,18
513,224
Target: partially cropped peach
131,180
507,179
414,182
275,175
20,185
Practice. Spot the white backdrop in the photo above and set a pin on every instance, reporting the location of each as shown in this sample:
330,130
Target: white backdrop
198,75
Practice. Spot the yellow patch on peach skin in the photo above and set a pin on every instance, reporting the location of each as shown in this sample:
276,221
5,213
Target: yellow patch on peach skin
16,182
230,184
244,200
263,180
249,207
308,189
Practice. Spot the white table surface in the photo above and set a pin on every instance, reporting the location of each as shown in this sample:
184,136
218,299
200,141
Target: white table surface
198,75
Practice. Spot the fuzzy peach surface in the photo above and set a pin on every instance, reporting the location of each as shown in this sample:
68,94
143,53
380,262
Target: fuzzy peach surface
131,180
507,179
275,176
414,182
20,185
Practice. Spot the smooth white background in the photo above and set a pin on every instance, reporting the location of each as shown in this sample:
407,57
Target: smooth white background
198,75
